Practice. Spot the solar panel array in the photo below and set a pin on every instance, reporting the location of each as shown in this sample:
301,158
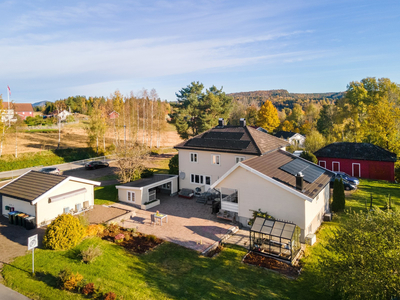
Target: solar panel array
223,135
310,172
218,144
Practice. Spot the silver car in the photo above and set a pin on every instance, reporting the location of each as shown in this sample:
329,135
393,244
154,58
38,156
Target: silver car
50,170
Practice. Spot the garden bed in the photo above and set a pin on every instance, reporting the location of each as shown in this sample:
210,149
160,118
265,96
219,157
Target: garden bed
271,264
131,240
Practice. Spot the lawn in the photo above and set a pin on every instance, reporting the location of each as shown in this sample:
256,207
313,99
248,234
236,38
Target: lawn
105,195
169,272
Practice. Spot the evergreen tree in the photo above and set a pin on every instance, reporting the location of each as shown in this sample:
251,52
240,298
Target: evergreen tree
268,116
339,201
309,156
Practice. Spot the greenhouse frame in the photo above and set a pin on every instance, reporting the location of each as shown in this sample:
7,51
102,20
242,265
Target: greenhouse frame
275,238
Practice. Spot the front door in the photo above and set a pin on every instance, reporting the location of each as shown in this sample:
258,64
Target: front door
335,166
207,183
356,170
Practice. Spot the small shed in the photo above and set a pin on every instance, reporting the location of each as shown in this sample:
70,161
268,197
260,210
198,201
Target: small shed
44,196
275,238
113,115
363,160
144,193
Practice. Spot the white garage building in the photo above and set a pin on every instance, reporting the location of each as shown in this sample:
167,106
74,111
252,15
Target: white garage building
45,196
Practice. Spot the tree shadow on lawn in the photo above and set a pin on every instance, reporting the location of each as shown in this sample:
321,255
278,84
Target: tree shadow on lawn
183,274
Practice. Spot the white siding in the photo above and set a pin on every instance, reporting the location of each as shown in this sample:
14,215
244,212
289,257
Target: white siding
19,205
204,166
315,210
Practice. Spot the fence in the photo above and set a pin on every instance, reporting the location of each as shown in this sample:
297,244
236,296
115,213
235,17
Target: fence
63,167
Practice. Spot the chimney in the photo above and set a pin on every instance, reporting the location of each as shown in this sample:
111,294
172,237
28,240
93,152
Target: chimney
299,181
242,122
221,122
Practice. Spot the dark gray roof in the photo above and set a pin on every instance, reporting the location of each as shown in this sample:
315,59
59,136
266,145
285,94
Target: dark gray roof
285,134
32,185
271,163
147,181
362,151
234,139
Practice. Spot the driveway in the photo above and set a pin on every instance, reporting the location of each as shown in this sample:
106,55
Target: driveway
190,224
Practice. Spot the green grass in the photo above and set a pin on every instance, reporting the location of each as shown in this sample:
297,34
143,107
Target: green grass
379,189
105,195
169,272
41,131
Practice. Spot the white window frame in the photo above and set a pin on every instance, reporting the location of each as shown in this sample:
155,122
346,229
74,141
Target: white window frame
239,159
216,159
64,212
322,161
359,169
194,157
336,162
130,196
193,179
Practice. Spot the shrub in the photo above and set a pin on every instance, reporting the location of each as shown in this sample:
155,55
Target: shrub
110,296
174,165
151,238
90,254
339,200
309,156
63,233
88,289
146,173
68,280
113,228
84,221
127,237
119,237
94,230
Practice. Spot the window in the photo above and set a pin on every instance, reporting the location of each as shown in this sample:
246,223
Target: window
335,166
194,178
208,180
166,185
239,159
193,157
216,159
66,210
78,207
131,196
322,163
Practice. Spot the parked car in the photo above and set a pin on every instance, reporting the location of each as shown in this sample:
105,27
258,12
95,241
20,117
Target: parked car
51,170
96,164
352,180
347,185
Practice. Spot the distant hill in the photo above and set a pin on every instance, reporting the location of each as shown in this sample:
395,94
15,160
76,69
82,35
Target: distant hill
282,98
41,103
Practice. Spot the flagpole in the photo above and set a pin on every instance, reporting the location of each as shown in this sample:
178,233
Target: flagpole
8,101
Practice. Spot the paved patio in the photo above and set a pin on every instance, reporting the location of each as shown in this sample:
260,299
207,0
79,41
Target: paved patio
190,224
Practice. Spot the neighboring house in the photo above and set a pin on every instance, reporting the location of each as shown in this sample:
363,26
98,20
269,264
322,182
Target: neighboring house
113,115
270,183
144,191
296,139
24,110
63,115
361,160
45,196
204,158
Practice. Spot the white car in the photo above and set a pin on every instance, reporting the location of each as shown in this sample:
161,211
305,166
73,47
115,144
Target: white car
51,170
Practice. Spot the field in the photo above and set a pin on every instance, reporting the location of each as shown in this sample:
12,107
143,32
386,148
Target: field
72,136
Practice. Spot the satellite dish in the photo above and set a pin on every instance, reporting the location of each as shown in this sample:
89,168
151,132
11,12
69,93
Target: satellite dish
182,175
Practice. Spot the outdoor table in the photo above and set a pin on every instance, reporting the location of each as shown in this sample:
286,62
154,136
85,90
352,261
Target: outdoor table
161,217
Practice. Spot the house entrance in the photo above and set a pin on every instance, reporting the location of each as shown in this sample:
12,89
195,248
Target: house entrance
356,170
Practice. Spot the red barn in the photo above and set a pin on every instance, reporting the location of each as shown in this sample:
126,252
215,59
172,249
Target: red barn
113,115
362,160
24,110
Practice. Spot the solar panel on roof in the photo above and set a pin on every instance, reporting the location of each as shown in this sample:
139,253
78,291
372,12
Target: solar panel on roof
310,172
223,135
218,144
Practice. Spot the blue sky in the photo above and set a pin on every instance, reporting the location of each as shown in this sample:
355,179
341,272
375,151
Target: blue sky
54,50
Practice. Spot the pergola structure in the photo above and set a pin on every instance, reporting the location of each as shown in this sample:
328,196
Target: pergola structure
275,238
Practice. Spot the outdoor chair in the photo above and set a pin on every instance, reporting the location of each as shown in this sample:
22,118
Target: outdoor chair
186,193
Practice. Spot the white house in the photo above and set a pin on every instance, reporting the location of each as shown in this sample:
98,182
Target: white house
45,196
206,157
144,193
63,115
295,139
270,183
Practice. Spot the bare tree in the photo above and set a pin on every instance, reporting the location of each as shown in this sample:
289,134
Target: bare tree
131,162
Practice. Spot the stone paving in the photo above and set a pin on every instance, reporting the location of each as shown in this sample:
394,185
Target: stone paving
190,224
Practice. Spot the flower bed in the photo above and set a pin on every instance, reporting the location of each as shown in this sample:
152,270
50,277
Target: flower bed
149,205
272,264
129,239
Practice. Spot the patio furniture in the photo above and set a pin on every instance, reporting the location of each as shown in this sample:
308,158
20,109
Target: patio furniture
186,193
159,217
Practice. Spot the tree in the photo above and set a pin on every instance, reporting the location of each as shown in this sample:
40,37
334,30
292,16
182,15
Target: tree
297,115
238,112
131,162
339,199
268,116
326,119
252,115
287,126
199,111
97,124
314,141
174,165
361,259
309,156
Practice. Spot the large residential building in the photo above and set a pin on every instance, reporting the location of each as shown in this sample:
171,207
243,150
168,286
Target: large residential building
206,157
23,110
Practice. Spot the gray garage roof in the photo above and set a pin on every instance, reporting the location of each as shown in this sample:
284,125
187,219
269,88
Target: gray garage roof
148,181
30,186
